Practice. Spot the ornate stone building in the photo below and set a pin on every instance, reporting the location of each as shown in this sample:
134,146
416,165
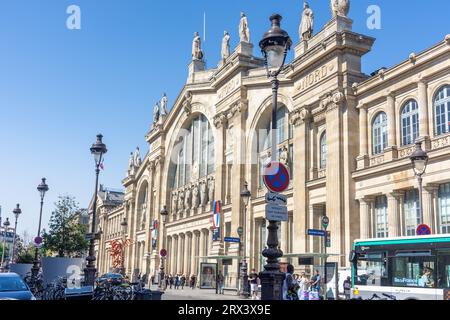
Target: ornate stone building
344,135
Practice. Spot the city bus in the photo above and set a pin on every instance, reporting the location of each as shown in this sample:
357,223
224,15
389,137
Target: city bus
405,268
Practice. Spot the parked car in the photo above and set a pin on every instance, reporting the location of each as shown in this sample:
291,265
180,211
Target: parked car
12,287
113,278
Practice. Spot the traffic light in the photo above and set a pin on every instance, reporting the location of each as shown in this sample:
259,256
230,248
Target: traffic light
328,240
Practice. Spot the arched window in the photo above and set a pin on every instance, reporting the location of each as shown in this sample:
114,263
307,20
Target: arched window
195,152
284,141
379,133
410,122
442,110
323,150
381,220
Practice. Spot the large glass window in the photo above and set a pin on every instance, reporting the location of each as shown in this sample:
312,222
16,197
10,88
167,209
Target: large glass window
380,133
412,212
442,110
410,122
195,152
444,208
323,150
284,140
381,221
414,270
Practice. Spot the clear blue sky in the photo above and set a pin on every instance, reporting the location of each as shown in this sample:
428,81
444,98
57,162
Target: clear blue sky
59,88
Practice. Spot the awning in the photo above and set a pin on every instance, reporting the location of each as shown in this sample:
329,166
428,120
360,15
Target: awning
222,257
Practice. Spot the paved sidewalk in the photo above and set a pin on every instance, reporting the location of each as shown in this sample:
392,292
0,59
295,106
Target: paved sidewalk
198,294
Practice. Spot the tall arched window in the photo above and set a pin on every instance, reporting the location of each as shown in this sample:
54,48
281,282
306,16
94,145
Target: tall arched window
380,133
195,152
410,122
284,141
442,110
323,150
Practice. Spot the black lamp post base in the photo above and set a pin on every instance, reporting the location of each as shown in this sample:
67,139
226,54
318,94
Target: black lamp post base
89,276
272,285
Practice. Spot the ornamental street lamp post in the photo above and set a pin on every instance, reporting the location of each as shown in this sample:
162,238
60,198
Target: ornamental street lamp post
419,161
275,45
6,225
42,188
17,212
164,214
124,225
98,149
245,195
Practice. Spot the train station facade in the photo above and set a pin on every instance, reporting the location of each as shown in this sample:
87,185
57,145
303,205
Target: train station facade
345,136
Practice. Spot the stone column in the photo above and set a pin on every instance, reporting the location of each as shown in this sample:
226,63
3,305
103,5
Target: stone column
394,213
284,239
188,254
194,252
201,250
335,174
313,152
363,159
257,250
365,205
391,152
174,255
179,254
429,193
423,110
300,119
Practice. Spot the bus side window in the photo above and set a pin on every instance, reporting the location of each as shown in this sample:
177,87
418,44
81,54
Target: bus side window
443,274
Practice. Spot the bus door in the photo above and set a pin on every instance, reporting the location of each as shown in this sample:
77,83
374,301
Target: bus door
443,274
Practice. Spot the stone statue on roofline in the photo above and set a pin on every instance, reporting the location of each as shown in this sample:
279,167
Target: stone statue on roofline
226,45
340,8
244,30
307,24
197,53
164,111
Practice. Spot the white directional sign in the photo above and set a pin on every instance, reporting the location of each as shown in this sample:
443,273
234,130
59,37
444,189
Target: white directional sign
276,198
275,212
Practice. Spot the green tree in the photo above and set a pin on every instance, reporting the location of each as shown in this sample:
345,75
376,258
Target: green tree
66,236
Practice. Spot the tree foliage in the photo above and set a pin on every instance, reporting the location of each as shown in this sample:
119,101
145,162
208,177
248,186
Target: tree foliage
66,237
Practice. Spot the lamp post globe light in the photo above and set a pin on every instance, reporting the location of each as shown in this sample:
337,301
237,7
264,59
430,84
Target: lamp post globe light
124,225
42,188
419,160
6,225
164,215
98,149
17,212
245,196
275,45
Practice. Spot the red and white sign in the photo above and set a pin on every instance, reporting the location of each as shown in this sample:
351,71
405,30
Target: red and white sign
163,253
38,242
276,177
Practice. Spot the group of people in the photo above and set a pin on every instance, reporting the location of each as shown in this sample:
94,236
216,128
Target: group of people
179,280
301,287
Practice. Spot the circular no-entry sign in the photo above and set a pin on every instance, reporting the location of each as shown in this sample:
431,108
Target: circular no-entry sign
38,242
276,177
163,253
423,230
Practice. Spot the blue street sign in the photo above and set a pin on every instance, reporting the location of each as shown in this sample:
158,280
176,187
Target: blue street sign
216,234
318,233
234,240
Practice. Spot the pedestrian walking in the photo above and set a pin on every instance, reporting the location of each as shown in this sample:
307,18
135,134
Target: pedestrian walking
254,284
315,282
192,281
177,281
290,285
347,288
182,281
170,281
219,282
